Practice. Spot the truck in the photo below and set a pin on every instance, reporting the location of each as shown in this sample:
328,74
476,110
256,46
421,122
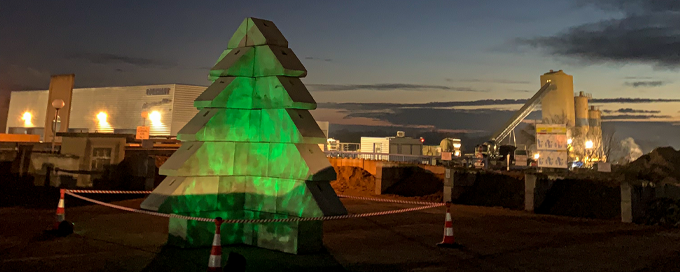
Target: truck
492,150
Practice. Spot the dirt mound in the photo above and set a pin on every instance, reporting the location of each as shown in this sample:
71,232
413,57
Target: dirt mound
661,165
354,180
414,184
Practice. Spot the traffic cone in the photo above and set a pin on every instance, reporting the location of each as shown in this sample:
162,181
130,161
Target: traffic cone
448,240
215,262
61,216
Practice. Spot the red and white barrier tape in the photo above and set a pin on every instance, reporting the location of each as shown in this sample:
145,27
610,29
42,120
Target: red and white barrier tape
256,221
341,196
388,200
107,192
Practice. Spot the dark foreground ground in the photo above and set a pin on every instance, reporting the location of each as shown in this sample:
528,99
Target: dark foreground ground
494,239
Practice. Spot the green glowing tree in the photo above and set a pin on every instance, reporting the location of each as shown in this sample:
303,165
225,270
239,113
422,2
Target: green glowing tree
251,152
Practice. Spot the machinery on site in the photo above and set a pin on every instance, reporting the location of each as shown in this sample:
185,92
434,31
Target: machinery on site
452,146
332,144
493,149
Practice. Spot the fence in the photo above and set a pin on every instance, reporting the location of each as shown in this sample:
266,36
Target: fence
419,159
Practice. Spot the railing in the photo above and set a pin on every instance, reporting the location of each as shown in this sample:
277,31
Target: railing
382,157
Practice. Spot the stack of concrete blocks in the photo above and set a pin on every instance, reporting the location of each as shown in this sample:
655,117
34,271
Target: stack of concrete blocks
252,152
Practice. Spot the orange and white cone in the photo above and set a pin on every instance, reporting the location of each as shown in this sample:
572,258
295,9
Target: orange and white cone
61,216
449,240
215,262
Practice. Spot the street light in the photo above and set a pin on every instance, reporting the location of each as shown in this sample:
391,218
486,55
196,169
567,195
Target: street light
57,104
145,115
589,145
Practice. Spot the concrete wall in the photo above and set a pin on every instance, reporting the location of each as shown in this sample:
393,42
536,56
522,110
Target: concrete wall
82,148
61,87
44,176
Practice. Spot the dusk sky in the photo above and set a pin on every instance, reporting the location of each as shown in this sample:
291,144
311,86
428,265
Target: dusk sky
362,51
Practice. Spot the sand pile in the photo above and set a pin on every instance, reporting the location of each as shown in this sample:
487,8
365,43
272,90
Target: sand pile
413,184
353,180
660,166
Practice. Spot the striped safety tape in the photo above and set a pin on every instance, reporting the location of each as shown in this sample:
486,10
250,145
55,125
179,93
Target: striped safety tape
241,221
108,192
341,196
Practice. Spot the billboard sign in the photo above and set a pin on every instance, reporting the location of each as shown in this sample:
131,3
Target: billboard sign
553,159
551,143
143,132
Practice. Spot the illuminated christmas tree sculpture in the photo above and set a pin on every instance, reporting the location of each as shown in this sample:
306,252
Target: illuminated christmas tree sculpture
251,152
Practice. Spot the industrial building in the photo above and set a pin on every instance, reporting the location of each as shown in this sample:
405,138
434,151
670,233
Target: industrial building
562,106
391,146
108,109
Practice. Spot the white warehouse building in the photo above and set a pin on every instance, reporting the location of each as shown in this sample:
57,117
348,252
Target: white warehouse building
109,109
392,147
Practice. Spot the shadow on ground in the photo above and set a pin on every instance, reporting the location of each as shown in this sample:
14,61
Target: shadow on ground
20,192
172,258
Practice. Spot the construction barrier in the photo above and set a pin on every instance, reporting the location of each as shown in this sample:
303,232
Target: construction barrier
215,260
61,212
449,240
426,205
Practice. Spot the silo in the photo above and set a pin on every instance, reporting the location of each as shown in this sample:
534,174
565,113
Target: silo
558,105
581,115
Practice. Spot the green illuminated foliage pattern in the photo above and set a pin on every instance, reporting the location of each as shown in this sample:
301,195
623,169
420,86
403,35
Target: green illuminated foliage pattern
251,152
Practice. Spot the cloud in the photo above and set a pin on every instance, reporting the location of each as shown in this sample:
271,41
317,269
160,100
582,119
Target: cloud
631,100
485,102
519,91
319,59
20,77
469,119
647,33
637,84
629,110
500,81
636,117
106,58
386,87
633,6
634,77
